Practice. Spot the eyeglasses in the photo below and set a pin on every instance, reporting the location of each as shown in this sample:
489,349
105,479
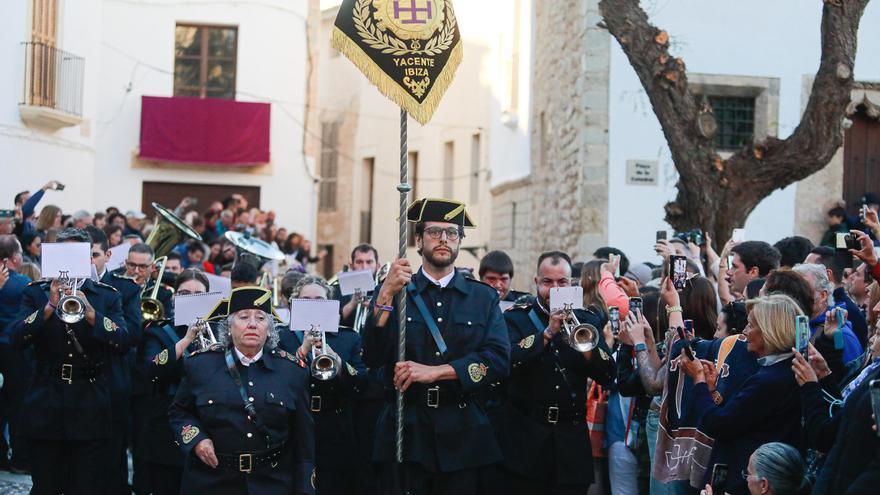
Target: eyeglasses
437,232
138,266
746,475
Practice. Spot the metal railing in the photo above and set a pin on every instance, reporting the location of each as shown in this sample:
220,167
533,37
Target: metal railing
53,78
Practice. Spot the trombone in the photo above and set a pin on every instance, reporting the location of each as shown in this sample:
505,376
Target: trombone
360,313
325,364
581,337
151,307
71,308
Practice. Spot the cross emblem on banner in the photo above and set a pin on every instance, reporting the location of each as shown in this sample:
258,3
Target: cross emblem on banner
420,12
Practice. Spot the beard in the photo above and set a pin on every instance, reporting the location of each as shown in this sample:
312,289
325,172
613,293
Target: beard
438,261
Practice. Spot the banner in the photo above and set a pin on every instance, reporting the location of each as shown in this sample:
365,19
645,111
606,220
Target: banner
409,49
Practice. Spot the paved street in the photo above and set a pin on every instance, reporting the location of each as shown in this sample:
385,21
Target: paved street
14,484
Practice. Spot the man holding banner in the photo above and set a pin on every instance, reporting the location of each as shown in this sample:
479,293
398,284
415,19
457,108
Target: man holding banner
456,346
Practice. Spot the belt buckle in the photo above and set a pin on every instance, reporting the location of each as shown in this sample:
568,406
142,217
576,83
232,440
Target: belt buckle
434,397
552,415
315,403
245,463
67,373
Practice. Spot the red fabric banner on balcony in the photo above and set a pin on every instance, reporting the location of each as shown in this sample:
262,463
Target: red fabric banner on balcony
204,131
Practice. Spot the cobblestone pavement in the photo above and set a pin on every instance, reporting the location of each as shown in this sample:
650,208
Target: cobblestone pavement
14,484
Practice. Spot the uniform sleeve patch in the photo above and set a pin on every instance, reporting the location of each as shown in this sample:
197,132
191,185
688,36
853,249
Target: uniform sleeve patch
477,371
161,358
603,355
290,357
351,369
110,325
188,432
32,318
527,342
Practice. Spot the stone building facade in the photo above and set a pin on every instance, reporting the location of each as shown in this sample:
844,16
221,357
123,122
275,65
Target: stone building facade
566,194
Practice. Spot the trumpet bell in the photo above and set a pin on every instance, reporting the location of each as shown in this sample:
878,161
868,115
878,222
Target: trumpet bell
325,366
71,309
583,337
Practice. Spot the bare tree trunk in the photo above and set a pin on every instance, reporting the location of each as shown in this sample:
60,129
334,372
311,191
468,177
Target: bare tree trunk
718,195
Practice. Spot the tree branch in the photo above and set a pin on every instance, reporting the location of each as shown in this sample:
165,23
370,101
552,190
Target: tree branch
718,195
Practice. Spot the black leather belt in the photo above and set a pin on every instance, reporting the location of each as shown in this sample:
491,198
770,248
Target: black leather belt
247,462
69,373
433,397
552,415
327,403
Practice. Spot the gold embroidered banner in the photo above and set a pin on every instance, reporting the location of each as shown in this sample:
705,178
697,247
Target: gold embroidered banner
409,49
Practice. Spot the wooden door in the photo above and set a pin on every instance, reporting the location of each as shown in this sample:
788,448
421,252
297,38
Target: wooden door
169,194
861,158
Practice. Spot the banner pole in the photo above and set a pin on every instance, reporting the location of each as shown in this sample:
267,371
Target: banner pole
403,188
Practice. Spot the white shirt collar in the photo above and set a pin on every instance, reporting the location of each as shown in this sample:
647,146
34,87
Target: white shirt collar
246,360
443,282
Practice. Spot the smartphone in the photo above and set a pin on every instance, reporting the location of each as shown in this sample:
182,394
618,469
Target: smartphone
841,321
874,386
802,335
698,237
678,271
862,213
689,327
688,350
615,258
635,305
614,318
59,186
845,241
719,478
193,200
661,235
739,235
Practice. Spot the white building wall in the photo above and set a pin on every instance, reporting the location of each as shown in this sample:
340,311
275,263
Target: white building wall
778,39
129,52
138,57
29,156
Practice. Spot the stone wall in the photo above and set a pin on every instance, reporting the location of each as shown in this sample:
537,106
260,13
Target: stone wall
570,127
512,230
570,86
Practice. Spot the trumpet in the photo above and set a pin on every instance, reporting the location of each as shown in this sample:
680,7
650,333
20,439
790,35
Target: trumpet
151,307
206,338
325,365
71,308
360,313
581,337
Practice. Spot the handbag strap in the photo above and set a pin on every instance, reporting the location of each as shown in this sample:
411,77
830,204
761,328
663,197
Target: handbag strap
429,320
249,406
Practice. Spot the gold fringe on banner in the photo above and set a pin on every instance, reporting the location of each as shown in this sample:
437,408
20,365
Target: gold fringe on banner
422,112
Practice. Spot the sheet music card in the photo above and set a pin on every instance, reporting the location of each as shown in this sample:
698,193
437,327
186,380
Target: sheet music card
562,297
190,307
322,314
360,280
219,284
118,255
73,257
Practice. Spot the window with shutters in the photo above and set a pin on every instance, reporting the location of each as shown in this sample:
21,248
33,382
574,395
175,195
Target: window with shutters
329,166
205,60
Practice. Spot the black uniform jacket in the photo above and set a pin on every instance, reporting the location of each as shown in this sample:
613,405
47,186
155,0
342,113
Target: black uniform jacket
330,401
163,370
545,415
456,434
69,396
208,404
